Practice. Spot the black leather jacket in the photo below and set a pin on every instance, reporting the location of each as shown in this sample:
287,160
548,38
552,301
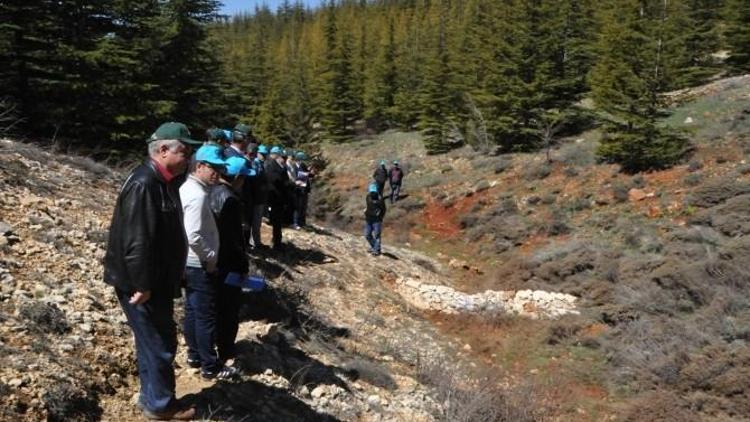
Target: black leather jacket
147,246
279,186
227,209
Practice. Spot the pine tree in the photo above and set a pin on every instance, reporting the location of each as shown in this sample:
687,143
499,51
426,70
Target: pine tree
626,81
738,34
380,91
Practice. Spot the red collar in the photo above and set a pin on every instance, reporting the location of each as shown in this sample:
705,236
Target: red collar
163,171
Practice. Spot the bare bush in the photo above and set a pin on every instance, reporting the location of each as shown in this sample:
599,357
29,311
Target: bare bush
370,372
465,398
9,117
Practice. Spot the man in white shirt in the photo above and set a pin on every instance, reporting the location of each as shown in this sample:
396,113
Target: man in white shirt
203,254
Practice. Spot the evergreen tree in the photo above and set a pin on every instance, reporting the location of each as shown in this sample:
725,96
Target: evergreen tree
738,34
380,91
626,81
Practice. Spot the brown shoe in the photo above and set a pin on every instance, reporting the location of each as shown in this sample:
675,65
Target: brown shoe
184,414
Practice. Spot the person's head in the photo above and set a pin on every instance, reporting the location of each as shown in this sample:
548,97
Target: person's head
372,188
237,169
209,164
300,156
251,150
382,163
216,136
170,145
395,163
275,153
241,135
262,151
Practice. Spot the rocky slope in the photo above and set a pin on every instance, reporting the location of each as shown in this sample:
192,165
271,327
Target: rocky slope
338,335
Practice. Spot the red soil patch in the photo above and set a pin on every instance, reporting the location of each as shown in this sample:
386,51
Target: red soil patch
442,221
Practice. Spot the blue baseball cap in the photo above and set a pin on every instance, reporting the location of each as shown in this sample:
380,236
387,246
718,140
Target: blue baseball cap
372,188
238,166
211,154
300,155
262,149
382,162
276,150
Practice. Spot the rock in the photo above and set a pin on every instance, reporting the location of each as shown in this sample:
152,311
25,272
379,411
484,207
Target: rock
467,347
5,228
86,328
318,392
304,391
688,120
635,195
16,382
373,400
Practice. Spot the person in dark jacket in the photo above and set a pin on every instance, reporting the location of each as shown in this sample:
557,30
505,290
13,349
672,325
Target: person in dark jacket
227,208
302,186
258,188
374,214
145,261
240,137
279,187
380,176
395,178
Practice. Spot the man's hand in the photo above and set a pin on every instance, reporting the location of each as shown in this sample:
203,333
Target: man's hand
140,297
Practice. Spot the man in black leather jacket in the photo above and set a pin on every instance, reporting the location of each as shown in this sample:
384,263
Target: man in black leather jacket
279,187
145,262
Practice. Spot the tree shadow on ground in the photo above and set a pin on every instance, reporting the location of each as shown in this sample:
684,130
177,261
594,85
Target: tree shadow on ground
248,400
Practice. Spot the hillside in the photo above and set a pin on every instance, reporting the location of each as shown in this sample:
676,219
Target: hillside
655,258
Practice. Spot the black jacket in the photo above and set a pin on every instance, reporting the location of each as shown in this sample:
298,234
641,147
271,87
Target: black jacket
227,209
147,246
375,210
380,175
278,183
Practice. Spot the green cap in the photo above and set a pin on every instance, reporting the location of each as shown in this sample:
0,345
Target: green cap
173,130
241,127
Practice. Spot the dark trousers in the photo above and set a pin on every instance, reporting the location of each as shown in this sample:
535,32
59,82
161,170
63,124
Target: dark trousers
381,187
155,335
200,318
227,318
372,234
395,191
277,222
300,207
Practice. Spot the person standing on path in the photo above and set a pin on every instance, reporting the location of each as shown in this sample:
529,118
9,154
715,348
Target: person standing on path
227,208
395,178
258,186
279,187
374,214
145,262
201,291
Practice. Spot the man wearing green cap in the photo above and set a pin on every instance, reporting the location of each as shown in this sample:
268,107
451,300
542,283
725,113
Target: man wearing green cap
145,261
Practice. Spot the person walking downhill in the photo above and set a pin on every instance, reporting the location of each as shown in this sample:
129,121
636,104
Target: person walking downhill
374,214
227,208
203,254
278,193
380,176
145,261
395,178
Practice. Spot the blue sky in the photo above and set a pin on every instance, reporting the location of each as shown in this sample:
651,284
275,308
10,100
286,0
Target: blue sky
232,7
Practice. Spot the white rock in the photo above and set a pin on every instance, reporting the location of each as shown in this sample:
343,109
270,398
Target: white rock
318,392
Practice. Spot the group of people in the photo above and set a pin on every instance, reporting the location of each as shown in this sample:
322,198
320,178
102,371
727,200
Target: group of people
186,220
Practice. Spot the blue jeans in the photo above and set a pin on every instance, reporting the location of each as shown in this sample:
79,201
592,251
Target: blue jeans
155,335
395,191
372,234
200,318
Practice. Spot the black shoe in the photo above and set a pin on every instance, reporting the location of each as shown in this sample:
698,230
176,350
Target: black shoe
225,373
193,363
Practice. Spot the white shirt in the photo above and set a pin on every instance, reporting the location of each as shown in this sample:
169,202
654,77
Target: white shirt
200,226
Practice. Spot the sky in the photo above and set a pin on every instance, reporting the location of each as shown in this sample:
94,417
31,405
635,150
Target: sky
232,7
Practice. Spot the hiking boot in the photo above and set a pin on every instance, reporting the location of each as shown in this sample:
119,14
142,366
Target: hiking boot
176,414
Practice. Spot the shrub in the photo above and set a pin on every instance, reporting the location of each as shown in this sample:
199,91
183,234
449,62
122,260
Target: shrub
571,171
557,224
549,199
693,179
694,166
44,318
502,166
639,181
537,172
620,192
65,402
